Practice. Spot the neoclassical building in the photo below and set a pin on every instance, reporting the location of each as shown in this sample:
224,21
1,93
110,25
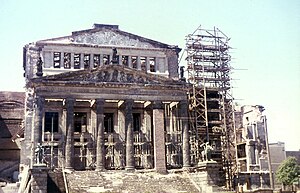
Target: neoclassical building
104,99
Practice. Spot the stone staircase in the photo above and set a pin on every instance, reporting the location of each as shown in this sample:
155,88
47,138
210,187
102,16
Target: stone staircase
124,182
9,188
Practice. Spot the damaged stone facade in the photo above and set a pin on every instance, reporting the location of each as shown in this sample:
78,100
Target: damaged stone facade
104,99
252,148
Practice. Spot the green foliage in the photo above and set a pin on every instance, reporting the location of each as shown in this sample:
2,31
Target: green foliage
288,171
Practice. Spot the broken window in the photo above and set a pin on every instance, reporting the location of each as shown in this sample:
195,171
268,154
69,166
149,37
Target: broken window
96,60
51,122
134,62
86,61
143,64
106,59
56,59
152,64
136,121
108,122
80,122
125,60
76,61
67,60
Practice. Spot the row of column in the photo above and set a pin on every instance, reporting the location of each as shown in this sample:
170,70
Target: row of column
158,133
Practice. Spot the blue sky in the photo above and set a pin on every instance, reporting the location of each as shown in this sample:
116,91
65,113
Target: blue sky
264,36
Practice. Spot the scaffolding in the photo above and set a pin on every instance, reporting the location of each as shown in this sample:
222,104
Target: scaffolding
211,104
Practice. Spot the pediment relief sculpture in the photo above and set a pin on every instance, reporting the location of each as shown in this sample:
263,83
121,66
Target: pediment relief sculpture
111,74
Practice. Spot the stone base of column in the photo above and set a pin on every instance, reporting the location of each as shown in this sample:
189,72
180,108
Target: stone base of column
100,169
39,174
209,170
129,169
161,170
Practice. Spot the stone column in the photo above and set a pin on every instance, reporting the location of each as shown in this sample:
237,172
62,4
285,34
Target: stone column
38,124
69,149
159,137
129,135
183,113
100,155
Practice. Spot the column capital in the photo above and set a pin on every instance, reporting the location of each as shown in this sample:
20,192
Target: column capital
100,105
157,105
68,102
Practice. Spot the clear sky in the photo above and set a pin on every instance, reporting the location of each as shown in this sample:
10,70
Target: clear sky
264,36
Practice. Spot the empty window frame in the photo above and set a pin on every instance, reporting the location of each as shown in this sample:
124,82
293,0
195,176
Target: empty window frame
56,59
80,122
51,122
67,60
76,61
106,59
108,122
136,122
143,63
125,60
152,64
134,61
86,61
96,60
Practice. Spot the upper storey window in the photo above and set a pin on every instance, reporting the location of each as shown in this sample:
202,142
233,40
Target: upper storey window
67,60
56,59
134,62
106,59
152,64
125,60
96,60
86,61
76,61
143,64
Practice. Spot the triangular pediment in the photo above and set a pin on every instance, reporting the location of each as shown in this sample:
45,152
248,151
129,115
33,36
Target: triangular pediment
107,37
115,74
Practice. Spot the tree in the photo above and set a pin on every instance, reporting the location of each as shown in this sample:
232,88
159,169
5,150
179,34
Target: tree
288,171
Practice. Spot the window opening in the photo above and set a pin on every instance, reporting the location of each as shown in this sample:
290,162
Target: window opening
143,64
76,61
105,59
56,60
86,61
108,122
96,60
152,64
125,60
67,60
80,122
136,121
134,62
51,122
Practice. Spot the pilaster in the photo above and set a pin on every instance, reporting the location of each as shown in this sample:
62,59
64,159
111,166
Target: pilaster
159,137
